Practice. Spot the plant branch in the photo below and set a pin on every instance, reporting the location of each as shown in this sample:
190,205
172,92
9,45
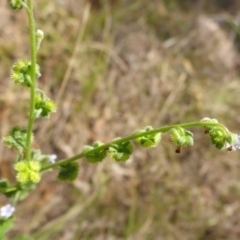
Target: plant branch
131,137
33,78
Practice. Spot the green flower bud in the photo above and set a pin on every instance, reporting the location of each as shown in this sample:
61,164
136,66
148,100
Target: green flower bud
16,4
97,144
121,152
209,120
34,176
150,140
222,139
44,106
87,148
39,37
219,145
21,166
22,177
34,166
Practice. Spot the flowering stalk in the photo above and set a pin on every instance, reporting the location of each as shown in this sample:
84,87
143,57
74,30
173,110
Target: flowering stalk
132,137
30,163
33,77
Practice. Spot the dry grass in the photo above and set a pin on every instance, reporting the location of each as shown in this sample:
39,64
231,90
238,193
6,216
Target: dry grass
113,71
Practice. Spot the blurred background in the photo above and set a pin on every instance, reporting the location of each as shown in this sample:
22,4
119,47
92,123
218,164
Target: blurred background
113,67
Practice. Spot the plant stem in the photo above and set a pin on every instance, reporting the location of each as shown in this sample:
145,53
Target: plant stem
131,137
33,78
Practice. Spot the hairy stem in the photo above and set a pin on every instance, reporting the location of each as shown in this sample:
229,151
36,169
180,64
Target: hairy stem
33,78
131,137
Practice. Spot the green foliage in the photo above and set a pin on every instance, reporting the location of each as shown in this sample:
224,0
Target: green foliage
68,172
20,191
24,189
5,188
8,190
5,226
4,184
17,139
30,163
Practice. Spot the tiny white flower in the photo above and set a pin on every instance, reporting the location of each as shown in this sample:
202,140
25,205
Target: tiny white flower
52,158
7,211
237,144
234,146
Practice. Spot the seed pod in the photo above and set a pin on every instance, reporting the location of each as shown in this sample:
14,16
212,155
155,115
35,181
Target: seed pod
147,141
95,156
121,152
68,172
181,137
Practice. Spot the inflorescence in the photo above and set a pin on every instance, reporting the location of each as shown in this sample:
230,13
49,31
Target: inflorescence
30,163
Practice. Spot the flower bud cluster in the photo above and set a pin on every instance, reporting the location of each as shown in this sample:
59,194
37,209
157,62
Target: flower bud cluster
221,139
21,73
220,136
28,171
44,106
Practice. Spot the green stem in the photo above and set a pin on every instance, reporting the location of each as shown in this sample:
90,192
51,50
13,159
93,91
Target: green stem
33,78
131,137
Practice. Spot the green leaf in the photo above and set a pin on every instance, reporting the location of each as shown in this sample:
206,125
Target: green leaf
5,225
4,183
25,189
7,189
16,139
